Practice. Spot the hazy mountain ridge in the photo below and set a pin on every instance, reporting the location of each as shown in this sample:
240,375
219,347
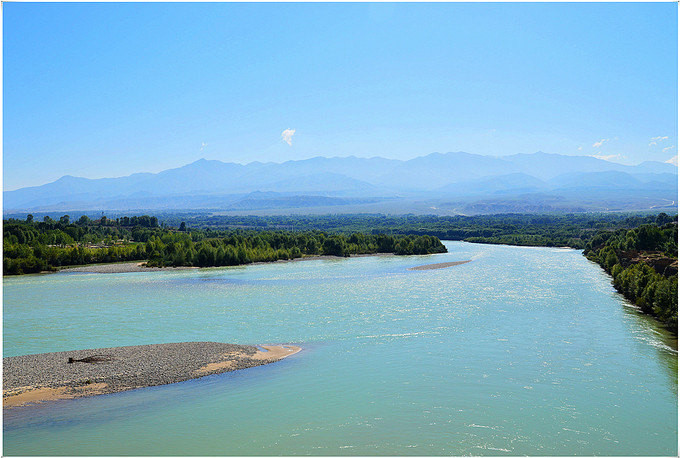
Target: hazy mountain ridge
448,183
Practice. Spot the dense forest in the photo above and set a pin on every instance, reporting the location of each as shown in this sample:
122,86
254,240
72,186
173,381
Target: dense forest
31,246
644,265
572,230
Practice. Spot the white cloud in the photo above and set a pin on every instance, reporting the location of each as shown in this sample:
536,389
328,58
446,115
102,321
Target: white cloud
655,140
668,148
203,145
287,136
673,160
579,148
607,157
600,143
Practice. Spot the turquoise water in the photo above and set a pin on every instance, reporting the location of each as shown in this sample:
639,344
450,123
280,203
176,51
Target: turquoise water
523,351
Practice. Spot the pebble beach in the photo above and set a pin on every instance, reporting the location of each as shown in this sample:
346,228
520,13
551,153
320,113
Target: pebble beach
50,376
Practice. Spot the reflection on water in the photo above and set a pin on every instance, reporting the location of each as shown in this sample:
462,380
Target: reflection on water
523,351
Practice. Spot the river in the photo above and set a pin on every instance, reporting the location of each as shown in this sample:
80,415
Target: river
523,351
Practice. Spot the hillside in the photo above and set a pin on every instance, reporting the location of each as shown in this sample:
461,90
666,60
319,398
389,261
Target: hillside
445,184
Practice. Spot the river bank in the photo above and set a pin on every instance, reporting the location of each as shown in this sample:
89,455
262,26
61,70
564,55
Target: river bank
118,268
124,267
71,374
136,266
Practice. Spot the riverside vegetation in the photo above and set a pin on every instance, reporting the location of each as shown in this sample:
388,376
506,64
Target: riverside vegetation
639,251
644,265
31,247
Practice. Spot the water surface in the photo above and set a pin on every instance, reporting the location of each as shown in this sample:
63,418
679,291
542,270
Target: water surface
521,351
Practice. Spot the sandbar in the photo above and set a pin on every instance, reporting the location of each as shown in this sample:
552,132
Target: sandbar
119,267
42,377
440,265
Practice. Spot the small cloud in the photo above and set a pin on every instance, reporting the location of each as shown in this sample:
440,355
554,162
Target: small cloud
579,148
673,160
668,148
655,140
607,157
600,143
203,145
287,136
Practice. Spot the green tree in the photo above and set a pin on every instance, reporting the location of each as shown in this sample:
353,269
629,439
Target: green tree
334,246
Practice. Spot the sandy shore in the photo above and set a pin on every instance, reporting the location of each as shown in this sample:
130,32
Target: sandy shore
123,267
119,267
49,376
440,265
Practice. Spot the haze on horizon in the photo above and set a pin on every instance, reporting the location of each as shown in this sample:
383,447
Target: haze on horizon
107,90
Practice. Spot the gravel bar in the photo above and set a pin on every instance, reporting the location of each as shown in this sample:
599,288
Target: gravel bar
117,369
440,265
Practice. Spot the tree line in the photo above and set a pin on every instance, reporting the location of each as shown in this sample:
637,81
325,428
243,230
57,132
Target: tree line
644,265
30,246
241,247
571,230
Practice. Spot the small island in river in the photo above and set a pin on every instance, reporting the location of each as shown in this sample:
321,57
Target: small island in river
71,374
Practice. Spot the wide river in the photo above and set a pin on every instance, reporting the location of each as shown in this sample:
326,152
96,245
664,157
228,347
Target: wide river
523,351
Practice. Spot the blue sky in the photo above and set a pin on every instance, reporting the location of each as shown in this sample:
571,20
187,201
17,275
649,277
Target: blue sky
103,90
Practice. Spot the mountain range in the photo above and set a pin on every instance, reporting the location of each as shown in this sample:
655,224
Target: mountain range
449,183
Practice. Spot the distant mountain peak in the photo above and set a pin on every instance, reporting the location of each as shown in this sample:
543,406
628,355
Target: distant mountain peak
203,161
67,178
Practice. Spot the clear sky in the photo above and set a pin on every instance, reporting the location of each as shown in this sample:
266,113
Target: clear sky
105,89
